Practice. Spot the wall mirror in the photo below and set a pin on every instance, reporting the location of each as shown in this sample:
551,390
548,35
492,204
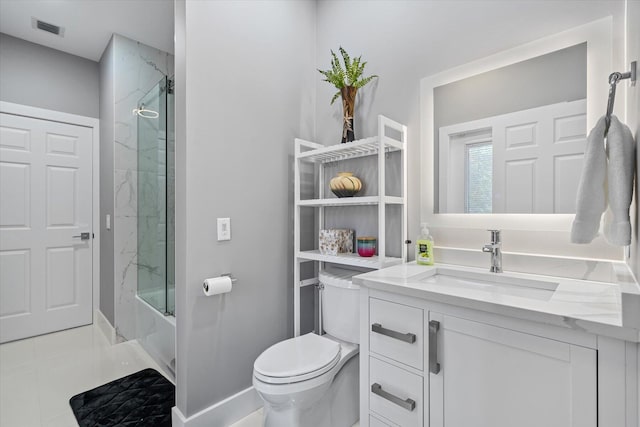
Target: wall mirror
505,134
511,140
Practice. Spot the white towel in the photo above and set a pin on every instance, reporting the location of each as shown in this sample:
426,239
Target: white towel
620,173
591,200
606,182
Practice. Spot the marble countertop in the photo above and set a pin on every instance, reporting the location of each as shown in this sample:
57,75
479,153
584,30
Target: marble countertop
594,307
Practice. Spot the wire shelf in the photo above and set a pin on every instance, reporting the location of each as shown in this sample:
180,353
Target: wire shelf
350,150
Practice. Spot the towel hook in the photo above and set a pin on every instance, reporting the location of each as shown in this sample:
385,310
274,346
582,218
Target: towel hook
614,78
613,82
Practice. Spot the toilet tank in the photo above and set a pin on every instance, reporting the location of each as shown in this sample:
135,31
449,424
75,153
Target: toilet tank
340,304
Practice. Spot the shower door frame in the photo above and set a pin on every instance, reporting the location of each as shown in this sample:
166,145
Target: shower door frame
168,82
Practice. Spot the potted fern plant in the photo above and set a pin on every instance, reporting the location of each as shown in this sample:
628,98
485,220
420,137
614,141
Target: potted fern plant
347,79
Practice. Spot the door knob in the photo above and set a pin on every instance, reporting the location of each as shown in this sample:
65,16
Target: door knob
83,236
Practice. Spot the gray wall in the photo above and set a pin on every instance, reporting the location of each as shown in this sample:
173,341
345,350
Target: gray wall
633,121
560,76
46,78
247,85
107,117
427,45
247,88
182,313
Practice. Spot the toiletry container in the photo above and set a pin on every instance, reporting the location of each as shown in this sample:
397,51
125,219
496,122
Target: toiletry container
424,246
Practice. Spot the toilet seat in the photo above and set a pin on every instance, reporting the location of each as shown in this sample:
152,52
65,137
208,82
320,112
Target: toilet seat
297,359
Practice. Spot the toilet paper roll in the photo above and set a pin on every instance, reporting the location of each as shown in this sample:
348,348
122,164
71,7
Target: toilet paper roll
217,285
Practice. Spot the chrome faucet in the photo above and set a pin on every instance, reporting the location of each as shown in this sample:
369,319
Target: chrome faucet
495,247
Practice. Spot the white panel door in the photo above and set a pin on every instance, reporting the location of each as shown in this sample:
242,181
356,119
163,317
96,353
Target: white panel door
496,377
45,201
537,158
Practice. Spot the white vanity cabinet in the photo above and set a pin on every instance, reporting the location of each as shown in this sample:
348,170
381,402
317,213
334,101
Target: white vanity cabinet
425,363
496,377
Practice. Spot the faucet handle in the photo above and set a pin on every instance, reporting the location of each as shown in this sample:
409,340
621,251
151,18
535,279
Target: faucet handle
495,236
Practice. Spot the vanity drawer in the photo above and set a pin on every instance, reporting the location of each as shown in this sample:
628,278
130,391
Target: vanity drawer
377,422
395,394
396,331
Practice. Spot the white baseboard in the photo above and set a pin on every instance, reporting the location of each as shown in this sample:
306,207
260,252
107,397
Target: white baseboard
223,413
105,327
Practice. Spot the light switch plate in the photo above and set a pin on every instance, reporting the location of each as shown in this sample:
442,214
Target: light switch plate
224,229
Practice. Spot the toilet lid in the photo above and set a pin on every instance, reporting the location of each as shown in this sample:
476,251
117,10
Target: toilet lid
298,356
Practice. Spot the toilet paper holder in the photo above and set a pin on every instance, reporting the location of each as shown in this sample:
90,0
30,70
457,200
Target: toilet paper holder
233,279
222,287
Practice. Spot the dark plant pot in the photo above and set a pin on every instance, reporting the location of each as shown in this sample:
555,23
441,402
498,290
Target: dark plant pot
348,106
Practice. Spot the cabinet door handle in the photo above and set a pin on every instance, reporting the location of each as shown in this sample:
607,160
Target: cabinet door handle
434,366
408,337
408,404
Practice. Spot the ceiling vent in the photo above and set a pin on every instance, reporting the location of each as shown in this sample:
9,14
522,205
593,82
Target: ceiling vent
46,26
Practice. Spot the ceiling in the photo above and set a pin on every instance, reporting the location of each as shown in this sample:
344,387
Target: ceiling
89,24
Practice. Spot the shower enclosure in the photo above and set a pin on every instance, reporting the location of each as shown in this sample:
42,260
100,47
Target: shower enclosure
156,207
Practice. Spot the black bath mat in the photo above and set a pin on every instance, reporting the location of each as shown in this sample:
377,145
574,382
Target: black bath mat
143,399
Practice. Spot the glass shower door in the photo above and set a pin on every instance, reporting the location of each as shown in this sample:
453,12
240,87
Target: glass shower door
155,198
171,205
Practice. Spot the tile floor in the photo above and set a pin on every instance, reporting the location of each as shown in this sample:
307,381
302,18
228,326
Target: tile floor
252,420
255,420
39,375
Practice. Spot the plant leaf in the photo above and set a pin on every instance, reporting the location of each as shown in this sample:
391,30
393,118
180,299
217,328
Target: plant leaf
361,70
330,77
360,83
337,94
355,71
337,71
326,74
347,61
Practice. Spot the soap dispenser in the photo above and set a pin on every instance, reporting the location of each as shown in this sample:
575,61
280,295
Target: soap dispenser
424,246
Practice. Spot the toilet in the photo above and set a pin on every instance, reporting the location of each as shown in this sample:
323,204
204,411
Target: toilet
312,380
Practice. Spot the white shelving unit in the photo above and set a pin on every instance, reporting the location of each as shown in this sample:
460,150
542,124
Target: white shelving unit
376,149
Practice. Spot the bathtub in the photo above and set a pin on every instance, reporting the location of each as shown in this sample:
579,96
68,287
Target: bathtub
157,334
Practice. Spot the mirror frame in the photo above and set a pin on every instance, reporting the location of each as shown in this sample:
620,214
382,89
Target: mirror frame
599,37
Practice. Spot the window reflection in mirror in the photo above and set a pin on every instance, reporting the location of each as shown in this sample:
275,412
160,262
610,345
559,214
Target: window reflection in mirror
511,140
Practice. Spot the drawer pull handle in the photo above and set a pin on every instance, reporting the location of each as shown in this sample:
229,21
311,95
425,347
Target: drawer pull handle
408,337
408,404
434,366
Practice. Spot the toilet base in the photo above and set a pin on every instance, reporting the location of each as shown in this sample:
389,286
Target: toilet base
335,404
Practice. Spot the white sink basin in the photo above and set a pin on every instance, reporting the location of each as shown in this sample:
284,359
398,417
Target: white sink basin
493,283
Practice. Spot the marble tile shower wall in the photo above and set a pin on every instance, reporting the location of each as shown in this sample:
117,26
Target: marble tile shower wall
137,69
152,178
